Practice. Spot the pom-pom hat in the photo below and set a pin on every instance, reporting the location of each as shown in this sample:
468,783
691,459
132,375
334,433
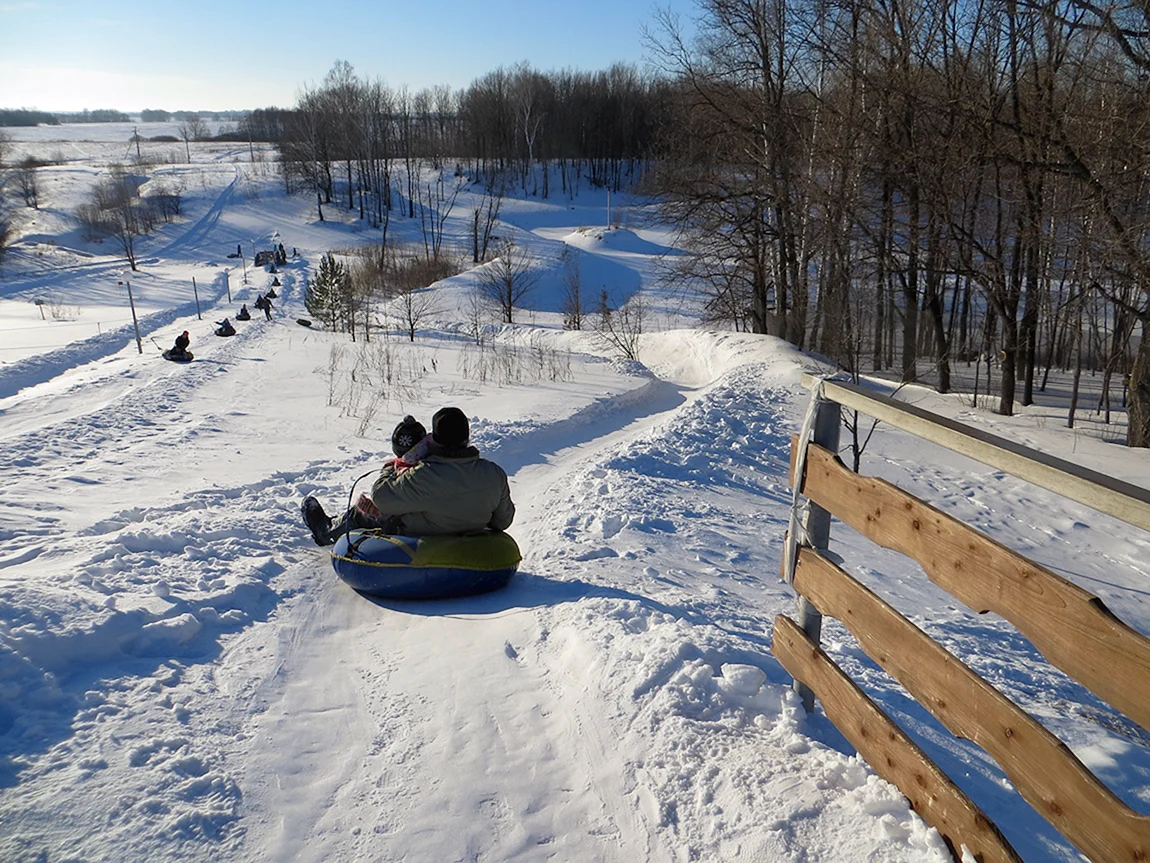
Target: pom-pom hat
407,434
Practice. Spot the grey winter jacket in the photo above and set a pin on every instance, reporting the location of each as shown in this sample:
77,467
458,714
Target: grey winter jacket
447,493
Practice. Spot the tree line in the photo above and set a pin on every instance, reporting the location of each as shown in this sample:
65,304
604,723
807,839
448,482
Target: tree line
346,137
893,181
32,117
899,184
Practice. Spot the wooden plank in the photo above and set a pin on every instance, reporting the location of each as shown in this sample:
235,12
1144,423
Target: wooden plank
1042,768
893,755
1071,627
1107,494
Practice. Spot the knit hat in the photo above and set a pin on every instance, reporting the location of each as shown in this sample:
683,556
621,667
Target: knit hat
407,434
449,427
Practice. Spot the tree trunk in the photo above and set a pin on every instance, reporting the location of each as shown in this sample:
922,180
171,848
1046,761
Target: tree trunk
1009,358
1138,432
910,290
934,288
941,342
1077,375
883,244
964,320
1029,333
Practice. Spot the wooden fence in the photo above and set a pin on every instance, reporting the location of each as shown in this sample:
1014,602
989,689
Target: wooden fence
1072,628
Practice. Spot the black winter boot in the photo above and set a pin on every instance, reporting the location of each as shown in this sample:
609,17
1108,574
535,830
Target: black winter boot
317,521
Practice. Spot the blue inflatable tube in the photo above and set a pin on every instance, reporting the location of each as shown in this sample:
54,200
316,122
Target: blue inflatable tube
428,567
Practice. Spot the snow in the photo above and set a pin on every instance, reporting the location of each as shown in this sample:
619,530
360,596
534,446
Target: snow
182,677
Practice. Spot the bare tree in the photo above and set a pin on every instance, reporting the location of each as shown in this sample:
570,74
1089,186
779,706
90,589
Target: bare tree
116,210
476,316
572,303
433,213
192,129
618,327
166,198
1110,165
7,229
414,307
598,125
405,111
408,279
307,149
27,182
526,85
508,279
484,216
733,174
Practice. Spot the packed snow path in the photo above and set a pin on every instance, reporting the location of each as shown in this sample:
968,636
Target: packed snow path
191,677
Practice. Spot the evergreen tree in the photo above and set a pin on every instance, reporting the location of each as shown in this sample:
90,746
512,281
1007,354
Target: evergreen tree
325,296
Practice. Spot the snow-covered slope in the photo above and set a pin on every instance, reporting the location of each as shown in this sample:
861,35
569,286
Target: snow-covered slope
182,677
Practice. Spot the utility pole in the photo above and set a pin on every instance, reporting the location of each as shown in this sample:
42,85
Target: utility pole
228,284
196,292
135,323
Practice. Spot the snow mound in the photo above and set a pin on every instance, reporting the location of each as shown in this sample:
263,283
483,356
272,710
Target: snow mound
615,240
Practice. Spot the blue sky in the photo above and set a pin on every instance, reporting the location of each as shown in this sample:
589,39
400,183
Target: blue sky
65,55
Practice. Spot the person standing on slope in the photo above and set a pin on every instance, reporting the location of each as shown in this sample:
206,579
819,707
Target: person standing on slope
451,491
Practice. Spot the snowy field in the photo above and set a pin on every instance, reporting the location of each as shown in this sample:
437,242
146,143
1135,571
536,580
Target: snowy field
102,133
182,676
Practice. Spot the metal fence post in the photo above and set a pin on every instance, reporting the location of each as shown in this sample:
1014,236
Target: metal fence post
817,525
135,322
196,291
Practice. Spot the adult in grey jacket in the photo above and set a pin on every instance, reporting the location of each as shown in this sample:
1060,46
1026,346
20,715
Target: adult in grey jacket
450,490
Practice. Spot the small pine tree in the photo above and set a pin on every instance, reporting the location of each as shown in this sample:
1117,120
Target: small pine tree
324,297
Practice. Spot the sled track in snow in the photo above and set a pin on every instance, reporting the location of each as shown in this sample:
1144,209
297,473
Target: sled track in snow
198,232
44,367
224,560
149,413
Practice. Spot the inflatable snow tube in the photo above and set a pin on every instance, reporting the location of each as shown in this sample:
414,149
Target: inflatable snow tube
172,355
428,567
